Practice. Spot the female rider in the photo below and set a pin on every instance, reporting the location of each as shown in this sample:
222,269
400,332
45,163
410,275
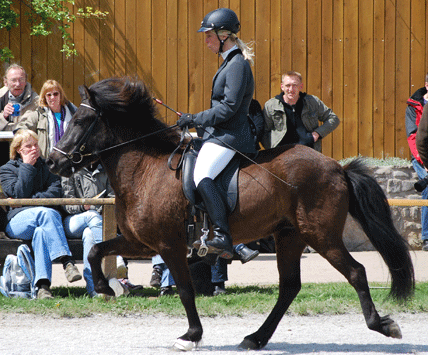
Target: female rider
225,124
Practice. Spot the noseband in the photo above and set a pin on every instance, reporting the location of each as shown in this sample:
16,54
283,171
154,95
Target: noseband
76,156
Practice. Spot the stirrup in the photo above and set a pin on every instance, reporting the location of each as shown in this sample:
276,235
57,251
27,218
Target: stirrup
201,244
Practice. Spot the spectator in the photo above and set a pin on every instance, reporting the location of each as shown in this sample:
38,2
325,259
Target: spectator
16,90
415,107
26,175
51,118
85,221
293,116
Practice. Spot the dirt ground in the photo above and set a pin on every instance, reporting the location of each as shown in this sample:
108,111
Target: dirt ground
24,334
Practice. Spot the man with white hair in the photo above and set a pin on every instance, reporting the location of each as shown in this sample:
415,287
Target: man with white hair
16,97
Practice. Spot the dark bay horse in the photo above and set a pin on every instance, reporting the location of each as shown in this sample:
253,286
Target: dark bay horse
292,186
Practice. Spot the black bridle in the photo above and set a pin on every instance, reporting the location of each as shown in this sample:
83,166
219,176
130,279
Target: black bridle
77,155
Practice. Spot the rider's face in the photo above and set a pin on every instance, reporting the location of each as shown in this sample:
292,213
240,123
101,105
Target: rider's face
212,41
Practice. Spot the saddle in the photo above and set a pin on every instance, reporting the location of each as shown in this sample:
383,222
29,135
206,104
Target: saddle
227,183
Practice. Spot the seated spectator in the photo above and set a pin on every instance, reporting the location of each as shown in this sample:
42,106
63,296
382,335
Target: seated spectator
16,98
294,116
85,221
16,90
50,119
26,175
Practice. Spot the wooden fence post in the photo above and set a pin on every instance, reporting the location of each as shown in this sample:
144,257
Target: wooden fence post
109,232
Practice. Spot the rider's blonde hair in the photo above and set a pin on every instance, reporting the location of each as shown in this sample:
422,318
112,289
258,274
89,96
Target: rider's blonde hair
246,48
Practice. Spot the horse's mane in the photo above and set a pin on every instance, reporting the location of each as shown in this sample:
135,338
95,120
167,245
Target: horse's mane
129,107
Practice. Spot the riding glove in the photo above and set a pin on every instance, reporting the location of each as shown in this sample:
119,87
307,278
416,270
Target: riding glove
186,120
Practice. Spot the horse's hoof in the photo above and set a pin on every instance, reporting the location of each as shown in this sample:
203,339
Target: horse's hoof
183,345
248,344
105,289
389,328
118,288
395,331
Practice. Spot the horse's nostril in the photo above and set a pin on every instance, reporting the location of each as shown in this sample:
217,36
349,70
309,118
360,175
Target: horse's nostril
50,163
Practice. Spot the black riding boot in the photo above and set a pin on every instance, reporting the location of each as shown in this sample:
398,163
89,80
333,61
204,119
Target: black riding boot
216,208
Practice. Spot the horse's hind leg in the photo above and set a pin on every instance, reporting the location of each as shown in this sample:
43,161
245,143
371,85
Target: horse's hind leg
355,273
116,246
289,249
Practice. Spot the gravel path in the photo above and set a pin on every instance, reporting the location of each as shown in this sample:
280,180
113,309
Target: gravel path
24,334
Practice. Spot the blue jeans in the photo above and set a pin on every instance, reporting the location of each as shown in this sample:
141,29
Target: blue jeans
167,279
87,225
420,170
43,226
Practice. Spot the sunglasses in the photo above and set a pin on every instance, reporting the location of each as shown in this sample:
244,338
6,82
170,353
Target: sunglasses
54,94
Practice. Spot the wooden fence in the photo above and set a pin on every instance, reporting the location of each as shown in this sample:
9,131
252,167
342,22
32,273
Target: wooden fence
363,58
109,222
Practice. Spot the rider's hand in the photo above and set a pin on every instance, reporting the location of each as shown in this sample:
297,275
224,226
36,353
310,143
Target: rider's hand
186,120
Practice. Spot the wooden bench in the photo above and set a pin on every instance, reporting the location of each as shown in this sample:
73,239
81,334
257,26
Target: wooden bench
9,246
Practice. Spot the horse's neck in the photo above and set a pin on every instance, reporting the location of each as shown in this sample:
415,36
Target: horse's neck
127,169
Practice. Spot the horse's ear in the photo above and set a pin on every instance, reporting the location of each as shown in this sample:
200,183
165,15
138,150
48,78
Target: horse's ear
84,92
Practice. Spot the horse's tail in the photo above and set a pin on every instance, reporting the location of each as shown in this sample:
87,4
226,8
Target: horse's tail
369,206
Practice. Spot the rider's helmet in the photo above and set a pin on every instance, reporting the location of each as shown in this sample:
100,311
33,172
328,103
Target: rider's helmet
220,19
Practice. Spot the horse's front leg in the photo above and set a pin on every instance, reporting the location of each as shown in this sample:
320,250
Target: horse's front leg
177,264
116,246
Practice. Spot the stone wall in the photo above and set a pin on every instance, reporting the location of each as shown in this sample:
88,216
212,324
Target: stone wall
397,182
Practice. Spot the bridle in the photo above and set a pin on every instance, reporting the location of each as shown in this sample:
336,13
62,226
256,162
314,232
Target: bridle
77,155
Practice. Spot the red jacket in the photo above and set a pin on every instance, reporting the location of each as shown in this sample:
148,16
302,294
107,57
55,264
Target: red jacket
413,117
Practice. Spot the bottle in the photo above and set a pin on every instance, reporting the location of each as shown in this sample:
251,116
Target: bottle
16,110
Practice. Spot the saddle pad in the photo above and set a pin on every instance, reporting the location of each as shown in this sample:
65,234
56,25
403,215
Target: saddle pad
227,181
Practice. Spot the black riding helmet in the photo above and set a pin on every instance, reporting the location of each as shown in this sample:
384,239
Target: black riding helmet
220,19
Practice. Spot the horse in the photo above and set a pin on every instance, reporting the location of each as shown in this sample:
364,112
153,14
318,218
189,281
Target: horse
294,193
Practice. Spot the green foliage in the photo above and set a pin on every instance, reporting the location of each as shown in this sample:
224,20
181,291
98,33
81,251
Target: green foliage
44,16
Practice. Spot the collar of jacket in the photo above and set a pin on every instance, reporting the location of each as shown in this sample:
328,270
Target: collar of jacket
232,54
418,95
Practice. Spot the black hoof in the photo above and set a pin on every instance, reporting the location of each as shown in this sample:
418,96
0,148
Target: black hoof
250,343
105,289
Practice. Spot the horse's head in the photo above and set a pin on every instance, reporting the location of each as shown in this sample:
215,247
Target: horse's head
85,136
113,112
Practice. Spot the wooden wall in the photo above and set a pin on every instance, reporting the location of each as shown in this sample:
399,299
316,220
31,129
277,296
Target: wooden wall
363,58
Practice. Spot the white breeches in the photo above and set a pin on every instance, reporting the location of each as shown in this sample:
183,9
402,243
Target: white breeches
211,161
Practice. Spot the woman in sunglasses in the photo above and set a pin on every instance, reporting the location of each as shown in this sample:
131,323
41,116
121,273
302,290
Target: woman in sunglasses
51,118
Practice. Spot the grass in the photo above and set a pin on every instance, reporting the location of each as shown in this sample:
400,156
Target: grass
313,299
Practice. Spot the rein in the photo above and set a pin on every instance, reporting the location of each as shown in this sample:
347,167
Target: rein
76,156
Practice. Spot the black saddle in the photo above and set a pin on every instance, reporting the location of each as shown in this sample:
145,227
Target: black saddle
227,181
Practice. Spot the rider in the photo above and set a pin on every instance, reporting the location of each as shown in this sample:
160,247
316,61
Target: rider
225,125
